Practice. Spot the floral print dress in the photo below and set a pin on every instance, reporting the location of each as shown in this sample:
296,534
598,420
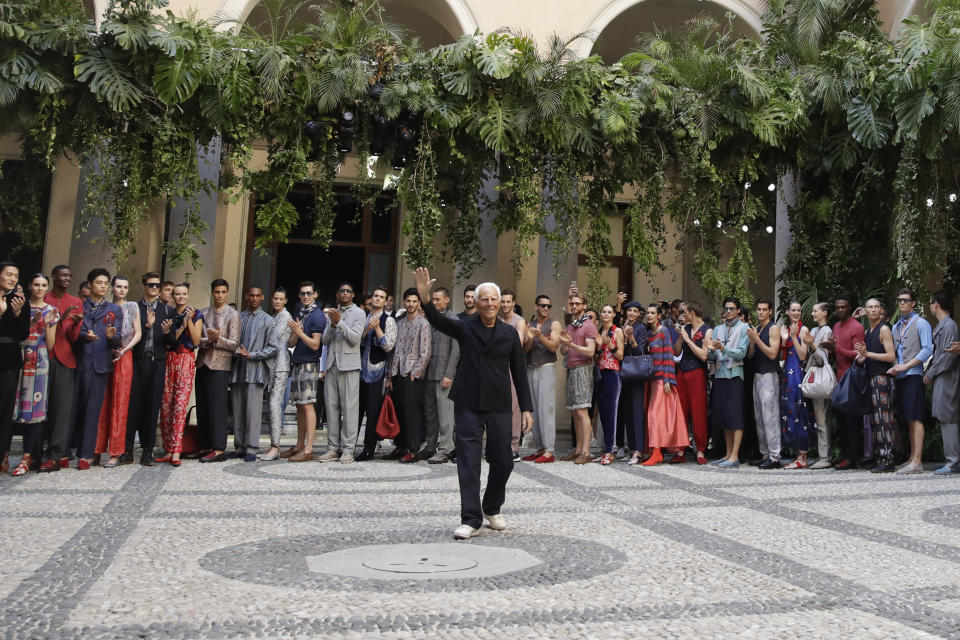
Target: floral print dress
31,403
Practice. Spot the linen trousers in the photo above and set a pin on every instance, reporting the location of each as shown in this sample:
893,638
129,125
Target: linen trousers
692,387
951,445
277,397
469,439
341,395
821,413
766,409
246,401
112,426
177,385
543,389
438,413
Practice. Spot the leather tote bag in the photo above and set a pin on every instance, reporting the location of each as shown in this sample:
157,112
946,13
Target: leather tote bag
388,427
818,381
636,368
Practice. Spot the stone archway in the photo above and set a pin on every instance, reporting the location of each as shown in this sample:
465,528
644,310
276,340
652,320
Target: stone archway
614,25
434,20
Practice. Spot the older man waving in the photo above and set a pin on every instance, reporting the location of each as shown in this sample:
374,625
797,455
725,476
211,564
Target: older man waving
481,393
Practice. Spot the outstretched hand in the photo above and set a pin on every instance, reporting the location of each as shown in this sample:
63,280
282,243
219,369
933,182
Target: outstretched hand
424,283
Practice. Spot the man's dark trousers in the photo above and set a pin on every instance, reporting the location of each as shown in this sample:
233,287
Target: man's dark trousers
212,409
146,394
61,388
850,434
408,398
371,401
469,439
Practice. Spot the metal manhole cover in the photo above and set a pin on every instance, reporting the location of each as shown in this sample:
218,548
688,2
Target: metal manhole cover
420,564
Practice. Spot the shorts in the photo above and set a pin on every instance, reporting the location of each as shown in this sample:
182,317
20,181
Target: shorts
304,379
911,398
580,387
726,404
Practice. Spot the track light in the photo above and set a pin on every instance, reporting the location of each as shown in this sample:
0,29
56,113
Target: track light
745,228
405,137
382,128
315,130
348,127
769,228
771,187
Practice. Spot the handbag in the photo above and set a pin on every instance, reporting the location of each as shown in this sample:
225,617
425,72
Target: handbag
819,380
852,393
636,368
388,427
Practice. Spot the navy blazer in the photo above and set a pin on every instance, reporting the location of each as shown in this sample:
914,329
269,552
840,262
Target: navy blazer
482,383
99,353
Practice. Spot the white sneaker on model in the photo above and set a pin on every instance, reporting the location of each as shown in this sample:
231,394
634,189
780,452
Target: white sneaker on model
911,468
465,531
496,522
346,458
822,463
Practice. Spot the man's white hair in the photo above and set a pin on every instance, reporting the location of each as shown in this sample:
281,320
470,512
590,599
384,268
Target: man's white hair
488,285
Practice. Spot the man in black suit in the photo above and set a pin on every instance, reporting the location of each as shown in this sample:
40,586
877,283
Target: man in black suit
149,370
482,398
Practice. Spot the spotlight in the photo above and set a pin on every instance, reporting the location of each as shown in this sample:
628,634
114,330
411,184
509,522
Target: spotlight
348,126
382,128
953,197
745,228
315,130
771,187
696,222
405,138
769,229
719,224
747,185
929,202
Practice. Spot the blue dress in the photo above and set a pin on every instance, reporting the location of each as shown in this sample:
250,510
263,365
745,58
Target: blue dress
795,422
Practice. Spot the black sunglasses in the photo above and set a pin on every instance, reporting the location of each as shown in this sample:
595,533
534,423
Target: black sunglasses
345,291
306,293
152,285
545,306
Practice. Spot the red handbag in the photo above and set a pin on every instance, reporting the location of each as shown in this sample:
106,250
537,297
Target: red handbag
388,427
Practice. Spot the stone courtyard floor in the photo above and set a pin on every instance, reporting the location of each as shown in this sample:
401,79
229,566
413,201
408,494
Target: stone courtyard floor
310,550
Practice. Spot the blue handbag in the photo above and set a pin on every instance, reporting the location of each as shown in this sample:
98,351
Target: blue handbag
852,393
636,368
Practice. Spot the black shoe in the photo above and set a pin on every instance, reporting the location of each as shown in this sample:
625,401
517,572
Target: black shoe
759,463
195,455
770,464
516,455
126,458
396,454
425,454
147,461
865,463
883,468
365,455
845,465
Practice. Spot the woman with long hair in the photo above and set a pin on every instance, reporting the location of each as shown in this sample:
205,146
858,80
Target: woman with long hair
181,367
31,405
632,411
692,375
609,355
794,416
666,427
112,427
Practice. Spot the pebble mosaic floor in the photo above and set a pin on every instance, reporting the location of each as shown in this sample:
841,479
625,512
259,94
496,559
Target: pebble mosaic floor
239,549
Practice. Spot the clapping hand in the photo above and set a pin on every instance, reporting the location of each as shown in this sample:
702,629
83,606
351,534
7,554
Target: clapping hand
166,325
151,317
111,332
565,337
334,315
90,335
16,302
213,335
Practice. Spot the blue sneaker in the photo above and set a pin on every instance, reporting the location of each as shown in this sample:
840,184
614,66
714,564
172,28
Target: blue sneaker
717,463
729,464
945,470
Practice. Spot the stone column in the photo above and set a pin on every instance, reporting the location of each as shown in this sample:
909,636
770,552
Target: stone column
786,198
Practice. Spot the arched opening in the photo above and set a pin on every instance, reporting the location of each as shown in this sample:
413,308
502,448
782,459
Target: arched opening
433,22
614,29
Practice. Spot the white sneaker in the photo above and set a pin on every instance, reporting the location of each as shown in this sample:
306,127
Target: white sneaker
496,522
465,531
330,456
822,463
346,458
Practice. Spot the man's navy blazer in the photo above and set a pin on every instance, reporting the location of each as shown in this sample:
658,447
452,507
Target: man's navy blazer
482,382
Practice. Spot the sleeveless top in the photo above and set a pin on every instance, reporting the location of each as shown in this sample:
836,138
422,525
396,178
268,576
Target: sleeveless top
688,359
539,354
875,345
761,363
606,359
131,315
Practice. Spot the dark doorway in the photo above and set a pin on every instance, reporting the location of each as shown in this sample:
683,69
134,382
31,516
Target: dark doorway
362,252
18,211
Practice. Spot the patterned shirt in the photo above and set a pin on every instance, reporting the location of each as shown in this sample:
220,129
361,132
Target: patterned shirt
661,350
219,356
373,371
411,353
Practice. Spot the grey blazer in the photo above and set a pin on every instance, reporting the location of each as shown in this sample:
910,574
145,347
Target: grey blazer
944,371
444,353
343,340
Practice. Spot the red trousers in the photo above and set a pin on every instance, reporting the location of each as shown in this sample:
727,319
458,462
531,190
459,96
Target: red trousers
693,399
112,427
177,386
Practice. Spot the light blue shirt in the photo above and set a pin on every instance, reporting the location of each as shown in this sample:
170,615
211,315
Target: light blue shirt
735,343
926,343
